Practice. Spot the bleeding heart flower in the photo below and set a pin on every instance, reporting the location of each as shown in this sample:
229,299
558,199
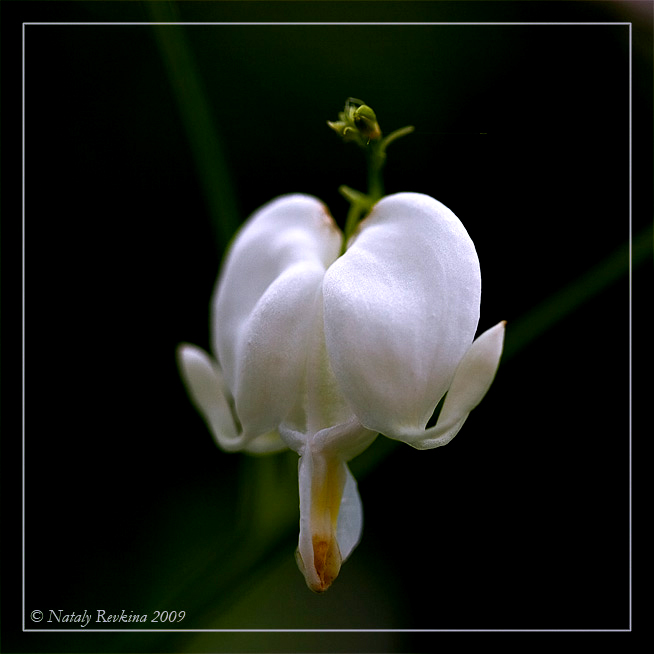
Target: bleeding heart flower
320,352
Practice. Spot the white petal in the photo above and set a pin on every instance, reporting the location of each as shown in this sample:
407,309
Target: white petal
345,440
321,484
350,517
207,390
205,386
319,402
287,231
265,305
471,382
266,444
273,349
401,310
331,517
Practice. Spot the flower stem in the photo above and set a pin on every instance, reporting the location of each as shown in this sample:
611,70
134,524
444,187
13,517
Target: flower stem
376,158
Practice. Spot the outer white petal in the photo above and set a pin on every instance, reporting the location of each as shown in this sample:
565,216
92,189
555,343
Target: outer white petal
207,390
264,304
205,386
471,382
289,230
401,310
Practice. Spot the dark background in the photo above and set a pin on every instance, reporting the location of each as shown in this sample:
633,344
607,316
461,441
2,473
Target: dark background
146,146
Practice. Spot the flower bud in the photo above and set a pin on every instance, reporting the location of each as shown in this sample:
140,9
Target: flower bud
366,122
357,123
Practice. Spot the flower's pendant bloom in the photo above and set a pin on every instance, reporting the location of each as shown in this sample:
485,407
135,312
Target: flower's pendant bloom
320,353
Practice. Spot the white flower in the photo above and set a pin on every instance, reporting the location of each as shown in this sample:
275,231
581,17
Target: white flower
320,353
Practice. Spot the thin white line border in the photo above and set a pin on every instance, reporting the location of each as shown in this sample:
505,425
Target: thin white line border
324,24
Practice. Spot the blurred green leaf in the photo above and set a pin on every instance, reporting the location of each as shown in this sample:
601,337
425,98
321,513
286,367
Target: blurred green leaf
556,307
196,114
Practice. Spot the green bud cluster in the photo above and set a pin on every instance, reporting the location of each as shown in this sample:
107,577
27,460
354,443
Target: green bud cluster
357,122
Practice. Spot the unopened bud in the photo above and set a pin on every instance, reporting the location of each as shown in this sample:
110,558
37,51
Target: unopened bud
357,122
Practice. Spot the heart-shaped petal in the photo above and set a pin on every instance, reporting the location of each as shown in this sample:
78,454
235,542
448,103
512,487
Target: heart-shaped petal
401,309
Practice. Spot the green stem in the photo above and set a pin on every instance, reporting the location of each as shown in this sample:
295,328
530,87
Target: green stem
398,133
375,164
360,204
